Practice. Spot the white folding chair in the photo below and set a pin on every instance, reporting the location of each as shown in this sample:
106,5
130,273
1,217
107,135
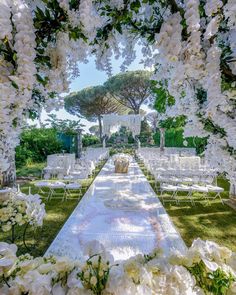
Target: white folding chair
73,186
200,189
169,188
185,188
217,190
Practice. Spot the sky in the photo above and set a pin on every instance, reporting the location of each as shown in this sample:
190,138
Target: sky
90,76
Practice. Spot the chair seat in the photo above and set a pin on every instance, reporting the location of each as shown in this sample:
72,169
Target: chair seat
216,189
42,184
198,188
175,179
169,187
57,185
73,186
184,188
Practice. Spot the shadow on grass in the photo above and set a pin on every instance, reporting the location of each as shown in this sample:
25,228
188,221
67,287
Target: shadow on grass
208,220
57,213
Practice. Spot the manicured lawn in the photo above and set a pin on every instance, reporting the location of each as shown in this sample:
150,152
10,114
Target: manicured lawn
57,211
209,221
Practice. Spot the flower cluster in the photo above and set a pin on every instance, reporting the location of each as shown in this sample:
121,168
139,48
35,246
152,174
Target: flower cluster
205,268
21,209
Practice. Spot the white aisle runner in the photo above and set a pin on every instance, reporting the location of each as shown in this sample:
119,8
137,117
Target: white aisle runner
123,213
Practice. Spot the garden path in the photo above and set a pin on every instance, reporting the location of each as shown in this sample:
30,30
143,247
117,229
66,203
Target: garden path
123,213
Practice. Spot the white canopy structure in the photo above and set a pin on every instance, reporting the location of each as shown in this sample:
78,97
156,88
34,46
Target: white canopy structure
111,123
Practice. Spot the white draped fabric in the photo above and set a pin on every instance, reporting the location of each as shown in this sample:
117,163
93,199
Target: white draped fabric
123,213
112,122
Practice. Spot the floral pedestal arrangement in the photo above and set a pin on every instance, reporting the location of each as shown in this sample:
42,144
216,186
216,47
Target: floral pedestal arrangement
121,163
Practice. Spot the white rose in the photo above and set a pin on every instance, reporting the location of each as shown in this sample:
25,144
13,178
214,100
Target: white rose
6,227
63,265
45,268
93,280
18,217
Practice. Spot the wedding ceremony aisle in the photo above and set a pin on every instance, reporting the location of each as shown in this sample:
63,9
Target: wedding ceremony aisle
122,212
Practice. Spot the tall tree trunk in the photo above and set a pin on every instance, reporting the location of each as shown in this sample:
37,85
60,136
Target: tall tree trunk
100,127
78,145
136,110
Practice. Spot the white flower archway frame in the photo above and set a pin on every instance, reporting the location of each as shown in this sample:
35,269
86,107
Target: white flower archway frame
112,121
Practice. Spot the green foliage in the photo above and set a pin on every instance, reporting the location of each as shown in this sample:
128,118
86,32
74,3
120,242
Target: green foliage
214,282
91,102
131,88
175,123
68,127
89,139
95,273
30,170
123,150
123,135
163,98
146,132
36,144
174,138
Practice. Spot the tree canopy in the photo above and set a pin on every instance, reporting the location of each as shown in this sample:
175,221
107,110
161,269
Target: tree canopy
131,89
92,103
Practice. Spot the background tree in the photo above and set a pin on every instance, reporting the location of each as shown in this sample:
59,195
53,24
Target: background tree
92,103
131,89
94,130
68,127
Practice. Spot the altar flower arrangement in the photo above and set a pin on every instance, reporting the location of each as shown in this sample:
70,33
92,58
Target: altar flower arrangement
121,162
205,268
21,209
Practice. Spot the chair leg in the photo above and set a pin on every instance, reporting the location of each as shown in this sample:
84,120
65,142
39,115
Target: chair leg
65,194
161,196
175,196
50,193
190,196
218,195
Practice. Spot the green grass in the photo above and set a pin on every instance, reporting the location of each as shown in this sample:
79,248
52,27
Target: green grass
57,212
209,221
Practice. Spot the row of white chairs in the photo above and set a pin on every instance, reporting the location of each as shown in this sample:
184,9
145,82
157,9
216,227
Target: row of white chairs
175,180
190,189
53,188
65,166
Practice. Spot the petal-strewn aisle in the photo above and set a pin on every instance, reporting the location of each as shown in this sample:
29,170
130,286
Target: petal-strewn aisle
123,213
